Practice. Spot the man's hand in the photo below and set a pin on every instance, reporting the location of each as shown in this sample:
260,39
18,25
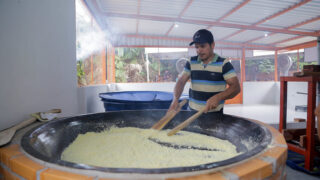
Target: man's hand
178,91
174,106
212,103
232,90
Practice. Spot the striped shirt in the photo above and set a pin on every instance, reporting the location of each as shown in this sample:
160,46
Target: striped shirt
207,80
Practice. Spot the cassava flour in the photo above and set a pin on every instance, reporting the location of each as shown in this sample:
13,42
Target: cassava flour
131,147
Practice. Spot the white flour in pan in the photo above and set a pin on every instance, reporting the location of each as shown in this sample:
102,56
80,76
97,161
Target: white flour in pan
131,148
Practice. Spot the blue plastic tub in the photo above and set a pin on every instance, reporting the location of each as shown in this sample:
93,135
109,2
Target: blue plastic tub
138,100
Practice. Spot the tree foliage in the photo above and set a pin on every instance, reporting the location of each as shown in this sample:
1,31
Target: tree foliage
130,65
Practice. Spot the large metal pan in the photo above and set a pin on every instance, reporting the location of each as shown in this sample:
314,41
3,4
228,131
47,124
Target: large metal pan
48,141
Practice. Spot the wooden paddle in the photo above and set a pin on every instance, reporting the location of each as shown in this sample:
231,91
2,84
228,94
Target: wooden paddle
165,119
7,134
186,122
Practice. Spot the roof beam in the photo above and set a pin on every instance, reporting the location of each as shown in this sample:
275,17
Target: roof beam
290,27
282,12
260,37
271,17
188,39
286,40
305,22
234,10
299,46
231,12
167,46
213,23
180,15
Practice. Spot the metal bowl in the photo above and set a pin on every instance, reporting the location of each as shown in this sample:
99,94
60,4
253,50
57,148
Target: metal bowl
48,141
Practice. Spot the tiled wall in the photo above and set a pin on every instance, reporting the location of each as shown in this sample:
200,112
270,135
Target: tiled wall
15,165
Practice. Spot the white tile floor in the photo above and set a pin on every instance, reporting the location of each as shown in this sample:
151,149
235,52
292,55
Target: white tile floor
268,114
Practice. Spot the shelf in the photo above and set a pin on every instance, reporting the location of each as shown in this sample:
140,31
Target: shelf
309,152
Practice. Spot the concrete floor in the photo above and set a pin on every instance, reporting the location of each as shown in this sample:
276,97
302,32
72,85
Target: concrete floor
269,114
298,175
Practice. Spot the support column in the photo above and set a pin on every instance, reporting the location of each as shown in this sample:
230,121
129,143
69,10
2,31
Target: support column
111,64
276,65
298,59
243,72
243,66
147,67
318,47
104,66
91,69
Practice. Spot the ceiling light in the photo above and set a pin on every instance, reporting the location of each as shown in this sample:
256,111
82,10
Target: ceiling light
265,34
176,25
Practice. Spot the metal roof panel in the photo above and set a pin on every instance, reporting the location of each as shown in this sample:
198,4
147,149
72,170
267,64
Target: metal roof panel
246,36
209,10
297,41
116,6
274,38
121,25
309,27
257,10
153,27
221,32
299,14
185,30
167,8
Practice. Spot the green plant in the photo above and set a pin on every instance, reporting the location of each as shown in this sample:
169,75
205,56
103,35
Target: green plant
263,65
81,73
120,71
301,64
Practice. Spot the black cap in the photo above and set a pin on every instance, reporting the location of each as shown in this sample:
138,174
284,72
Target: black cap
202,36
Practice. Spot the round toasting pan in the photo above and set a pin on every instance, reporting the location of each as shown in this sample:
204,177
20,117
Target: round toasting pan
48,141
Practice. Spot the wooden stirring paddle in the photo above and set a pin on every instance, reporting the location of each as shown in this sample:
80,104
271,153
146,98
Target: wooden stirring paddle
186,122
7,134
165,119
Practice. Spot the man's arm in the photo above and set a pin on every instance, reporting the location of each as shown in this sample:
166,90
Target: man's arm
178,89
230,92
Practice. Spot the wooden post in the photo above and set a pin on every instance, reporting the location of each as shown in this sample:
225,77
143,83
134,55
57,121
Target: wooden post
103,63
310,124
283,105
111,64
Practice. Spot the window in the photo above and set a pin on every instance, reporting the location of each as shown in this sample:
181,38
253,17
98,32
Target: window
90,48
147,65
130,65
260,68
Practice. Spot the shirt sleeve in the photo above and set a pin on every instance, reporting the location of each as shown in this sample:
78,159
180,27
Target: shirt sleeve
228,70
187,68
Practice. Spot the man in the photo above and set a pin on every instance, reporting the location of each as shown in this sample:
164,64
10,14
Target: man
209,74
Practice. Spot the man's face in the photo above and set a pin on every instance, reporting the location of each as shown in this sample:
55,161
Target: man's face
204,51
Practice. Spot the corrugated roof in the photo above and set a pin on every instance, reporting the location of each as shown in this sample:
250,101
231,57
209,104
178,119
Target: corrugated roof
234,23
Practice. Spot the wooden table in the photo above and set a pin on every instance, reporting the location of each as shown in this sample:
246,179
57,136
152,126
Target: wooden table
308,152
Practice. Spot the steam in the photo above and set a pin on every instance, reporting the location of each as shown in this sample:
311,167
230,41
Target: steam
90,42
89,38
